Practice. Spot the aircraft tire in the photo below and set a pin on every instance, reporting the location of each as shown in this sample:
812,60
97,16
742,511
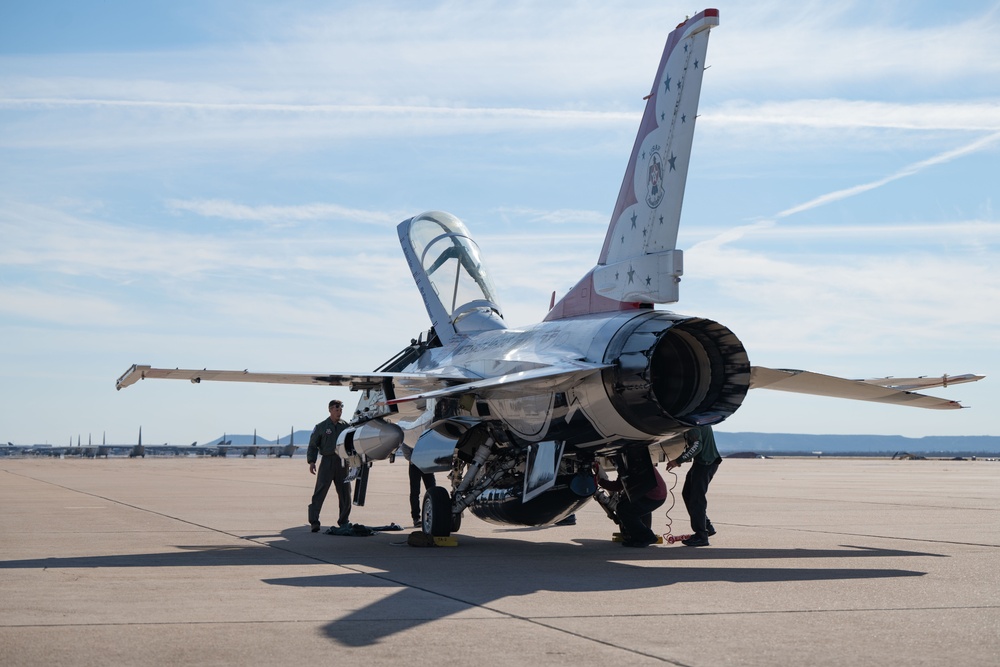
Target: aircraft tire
436,516
456,522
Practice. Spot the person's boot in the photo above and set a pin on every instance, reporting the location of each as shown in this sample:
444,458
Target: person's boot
696,540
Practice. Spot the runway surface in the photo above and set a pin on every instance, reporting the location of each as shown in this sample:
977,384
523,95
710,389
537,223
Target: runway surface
181,561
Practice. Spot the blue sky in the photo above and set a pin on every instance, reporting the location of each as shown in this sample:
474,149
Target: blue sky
217,184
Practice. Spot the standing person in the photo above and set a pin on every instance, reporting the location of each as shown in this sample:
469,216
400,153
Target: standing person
415,478
331,467
700,449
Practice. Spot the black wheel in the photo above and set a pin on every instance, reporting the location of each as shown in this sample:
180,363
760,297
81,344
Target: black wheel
456,522
436,515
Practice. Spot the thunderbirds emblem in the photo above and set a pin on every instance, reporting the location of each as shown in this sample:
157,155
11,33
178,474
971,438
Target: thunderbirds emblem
654,182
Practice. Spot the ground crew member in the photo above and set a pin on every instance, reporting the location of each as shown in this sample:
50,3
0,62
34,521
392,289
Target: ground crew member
331,467
640,491
700,449
416,476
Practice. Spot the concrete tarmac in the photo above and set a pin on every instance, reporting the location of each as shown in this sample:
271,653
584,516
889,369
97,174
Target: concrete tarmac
209,562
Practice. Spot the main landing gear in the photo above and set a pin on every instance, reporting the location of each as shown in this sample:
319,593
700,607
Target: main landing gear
436,517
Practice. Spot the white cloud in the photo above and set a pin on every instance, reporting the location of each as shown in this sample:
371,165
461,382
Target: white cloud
69,307
556,217
817,45
962,116
284,215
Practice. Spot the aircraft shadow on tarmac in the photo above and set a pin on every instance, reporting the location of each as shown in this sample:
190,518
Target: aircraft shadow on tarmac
436,583
439,582
296,543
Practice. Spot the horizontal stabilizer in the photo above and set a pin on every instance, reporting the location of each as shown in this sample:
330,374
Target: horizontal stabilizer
524,383
804,382
402,382
648,278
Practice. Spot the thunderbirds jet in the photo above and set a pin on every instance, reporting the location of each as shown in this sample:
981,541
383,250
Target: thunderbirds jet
518,417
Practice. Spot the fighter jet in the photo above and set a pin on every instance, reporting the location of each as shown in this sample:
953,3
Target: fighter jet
518,417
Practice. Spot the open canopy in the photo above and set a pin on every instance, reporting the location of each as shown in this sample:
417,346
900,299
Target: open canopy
449,271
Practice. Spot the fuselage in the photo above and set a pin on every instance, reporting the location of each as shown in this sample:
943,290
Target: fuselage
662,373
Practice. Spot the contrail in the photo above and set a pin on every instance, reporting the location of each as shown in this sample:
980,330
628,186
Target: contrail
908,170
358,109
837,195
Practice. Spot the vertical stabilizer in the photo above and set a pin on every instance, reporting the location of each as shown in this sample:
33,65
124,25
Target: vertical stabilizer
639,263
138,450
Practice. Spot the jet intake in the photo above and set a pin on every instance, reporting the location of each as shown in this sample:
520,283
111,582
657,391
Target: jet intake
671,371
374,440
435,449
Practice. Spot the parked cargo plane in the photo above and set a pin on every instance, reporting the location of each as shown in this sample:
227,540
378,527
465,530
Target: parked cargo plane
221,449
518,417
277,450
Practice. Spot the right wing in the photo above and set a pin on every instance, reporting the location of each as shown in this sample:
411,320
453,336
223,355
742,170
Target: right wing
403,383
882,390
922,382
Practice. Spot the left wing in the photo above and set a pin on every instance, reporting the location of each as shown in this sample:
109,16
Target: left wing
883,390
402,382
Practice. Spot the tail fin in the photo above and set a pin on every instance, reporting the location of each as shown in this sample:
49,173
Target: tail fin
639,263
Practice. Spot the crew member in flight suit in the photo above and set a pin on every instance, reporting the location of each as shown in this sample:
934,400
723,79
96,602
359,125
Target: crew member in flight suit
331,467
416,476
705,460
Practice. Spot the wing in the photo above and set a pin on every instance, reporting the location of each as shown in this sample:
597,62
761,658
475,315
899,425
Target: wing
906,384
886,390
403,383
524,383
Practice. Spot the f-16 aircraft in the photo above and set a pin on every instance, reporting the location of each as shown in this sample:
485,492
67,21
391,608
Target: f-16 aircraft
517,417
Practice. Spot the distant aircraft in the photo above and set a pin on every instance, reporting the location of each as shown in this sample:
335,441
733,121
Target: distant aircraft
226,446
140,450
10,449
80,450
88,451
286,450
252,449
517,418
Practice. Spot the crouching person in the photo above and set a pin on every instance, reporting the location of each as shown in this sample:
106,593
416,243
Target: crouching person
641,490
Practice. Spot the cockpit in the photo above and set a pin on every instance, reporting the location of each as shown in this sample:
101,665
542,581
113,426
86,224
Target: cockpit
449,270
